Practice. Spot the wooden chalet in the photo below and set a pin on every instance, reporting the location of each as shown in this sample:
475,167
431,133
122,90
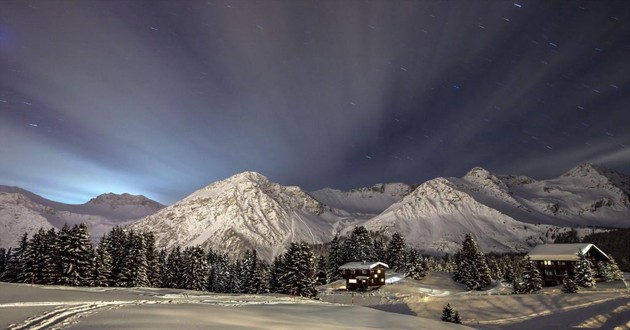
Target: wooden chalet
556,260
363,275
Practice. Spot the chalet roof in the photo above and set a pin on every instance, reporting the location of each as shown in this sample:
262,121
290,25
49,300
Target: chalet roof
562,251
362,265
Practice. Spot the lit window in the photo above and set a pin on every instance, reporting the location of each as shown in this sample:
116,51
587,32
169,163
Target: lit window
352,280
378,271
547,262
375,275
382,280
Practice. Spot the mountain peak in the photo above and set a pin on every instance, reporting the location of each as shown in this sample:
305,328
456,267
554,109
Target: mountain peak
584,170
248,176
478,172
113,199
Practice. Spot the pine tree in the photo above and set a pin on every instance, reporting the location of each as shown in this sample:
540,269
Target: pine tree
604,271
10,269
299,271
508,275
334,260
277,271
195,268
396,253
3,261
613,269
21,275
163,274
52,272
219,273
36,257
359,246
569,285
530,279
236,283
152,257
116,240
471,267
583,272
322,270
416,266
174,268
380,249
251,277
101,265
450,315
136,261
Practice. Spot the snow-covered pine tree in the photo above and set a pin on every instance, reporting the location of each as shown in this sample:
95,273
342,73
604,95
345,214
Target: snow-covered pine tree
219,274
359,247
3,261
101,265
52,271
275,276
21,276
264,271
508,275
116,243
569,285
380,249
397,253
321,270
9,274
36,257
174,267
604,271
152,257
416,267
236,283
335,260
195,268
299,271
251,276
615,273
530,279
449,314
163,274
471,267
583,271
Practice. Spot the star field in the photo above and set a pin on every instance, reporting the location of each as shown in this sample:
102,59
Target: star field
163,97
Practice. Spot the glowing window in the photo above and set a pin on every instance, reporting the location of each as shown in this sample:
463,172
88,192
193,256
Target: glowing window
375,275
382,280
547,262
352,280
378,271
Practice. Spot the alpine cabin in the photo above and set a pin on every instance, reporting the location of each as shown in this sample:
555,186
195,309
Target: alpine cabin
363,275
556,260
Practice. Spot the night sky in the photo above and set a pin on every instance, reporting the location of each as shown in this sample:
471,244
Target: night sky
163,97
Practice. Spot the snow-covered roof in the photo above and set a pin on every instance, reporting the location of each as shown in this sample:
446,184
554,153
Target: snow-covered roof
362,265
561,251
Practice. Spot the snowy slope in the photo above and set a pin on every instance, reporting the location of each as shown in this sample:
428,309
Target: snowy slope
22,211
506,213
373,200
243,212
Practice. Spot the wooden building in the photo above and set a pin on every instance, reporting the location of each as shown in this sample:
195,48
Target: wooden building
556,260
363,275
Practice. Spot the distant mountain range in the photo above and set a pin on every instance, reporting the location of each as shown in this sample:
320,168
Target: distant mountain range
22,211
245,211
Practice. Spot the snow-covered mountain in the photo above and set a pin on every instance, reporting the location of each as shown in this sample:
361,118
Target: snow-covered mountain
22,211
506,212
245,211
364,201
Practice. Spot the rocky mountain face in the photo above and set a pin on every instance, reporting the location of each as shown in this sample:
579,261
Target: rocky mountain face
22,211
245,211
506,212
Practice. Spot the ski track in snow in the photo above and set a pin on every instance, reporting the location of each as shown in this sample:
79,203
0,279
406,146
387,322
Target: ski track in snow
70,312
64,315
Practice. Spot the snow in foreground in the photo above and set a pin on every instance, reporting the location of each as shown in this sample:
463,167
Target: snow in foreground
51,307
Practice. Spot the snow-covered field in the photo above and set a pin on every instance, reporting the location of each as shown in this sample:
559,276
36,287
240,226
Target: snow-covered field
606,307
52,307
404,304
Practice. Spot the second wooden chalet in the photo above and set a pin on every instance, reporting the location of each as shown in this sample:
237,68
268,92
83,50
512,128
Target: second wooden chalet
363,275
556,260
